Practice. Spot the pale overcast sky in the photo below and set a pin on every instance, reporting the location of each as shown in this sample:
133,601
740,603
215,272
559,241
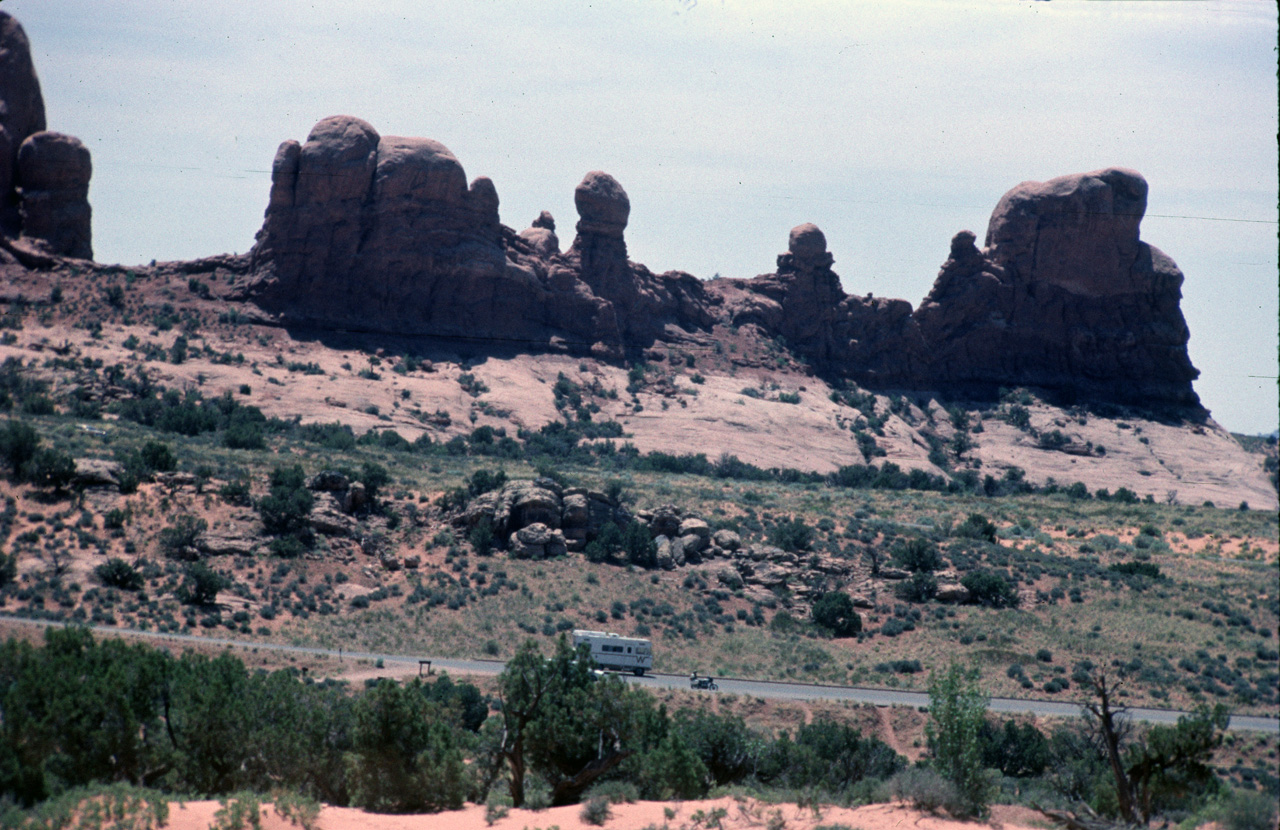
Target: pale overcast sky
891,125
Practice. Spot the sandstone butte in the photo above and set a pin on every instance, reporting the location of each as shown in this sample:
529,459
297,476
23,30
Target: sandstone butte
384,235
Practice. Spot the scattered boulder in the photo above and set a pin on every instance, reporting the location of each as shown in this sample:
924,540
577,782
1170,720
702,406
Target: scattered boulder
664,557
328,480
726,539
96,472
355,498
952,592
536,541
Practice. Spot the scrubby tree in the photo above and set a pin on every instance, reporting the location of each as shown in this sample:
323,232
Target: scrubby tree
957,712
405,755
991,589
834,611
201,585
977,526
180,539
1166,768
917,555
19,443
118,573
560,719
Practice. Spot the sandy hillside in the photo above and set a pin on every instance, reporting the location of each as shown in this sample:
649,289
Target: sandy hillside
770,413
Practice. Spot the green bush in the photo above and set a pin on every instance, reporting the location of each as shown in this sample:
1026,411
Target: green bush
834,611
201,585
596,811
791,535
990,589
925,789
917,555
118,573
920,587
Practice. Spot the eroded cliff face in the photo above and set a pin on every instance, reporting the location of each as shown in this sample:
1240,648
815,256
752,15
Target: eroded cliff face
383,233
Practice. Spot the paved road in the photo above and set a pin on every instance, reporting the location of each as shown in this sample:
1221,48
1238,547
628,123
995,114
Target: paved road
775,690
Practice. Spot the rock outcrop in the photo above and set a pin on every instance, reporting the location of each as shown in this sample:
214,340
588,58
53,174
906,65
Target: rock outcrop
1063,296
53,178
44,176
383,233
364,232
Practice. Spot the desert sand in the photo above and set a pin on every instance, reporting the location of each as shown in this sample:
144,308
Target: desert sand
739,813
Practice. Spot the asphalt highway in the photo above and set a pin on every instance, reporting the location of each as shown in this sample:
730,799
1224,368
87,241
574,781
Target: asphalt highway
769,689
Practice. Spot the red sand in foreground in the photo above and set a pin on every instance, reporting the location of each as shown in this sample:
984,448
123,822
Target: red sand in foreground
198,815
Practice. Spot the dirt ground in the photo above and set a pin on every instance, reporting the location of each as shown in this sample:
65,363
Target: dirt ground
746,813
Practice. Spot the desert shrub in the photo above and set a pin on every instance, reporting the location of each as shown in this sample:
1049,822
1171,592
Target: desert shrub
792,535
596,811
920,587
118,573
990,589
827,756
1246,811
917,555
179,540
977,526
334,436
925,789
1136,569
834,611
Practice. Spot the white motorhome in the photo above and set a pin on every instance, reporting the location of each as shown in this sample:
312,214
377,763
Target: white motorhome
613,651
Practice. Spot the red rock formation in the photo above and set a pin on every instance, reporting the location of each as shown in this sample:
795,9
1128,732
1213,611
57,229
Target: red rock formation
21,115
1064,296
382,233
